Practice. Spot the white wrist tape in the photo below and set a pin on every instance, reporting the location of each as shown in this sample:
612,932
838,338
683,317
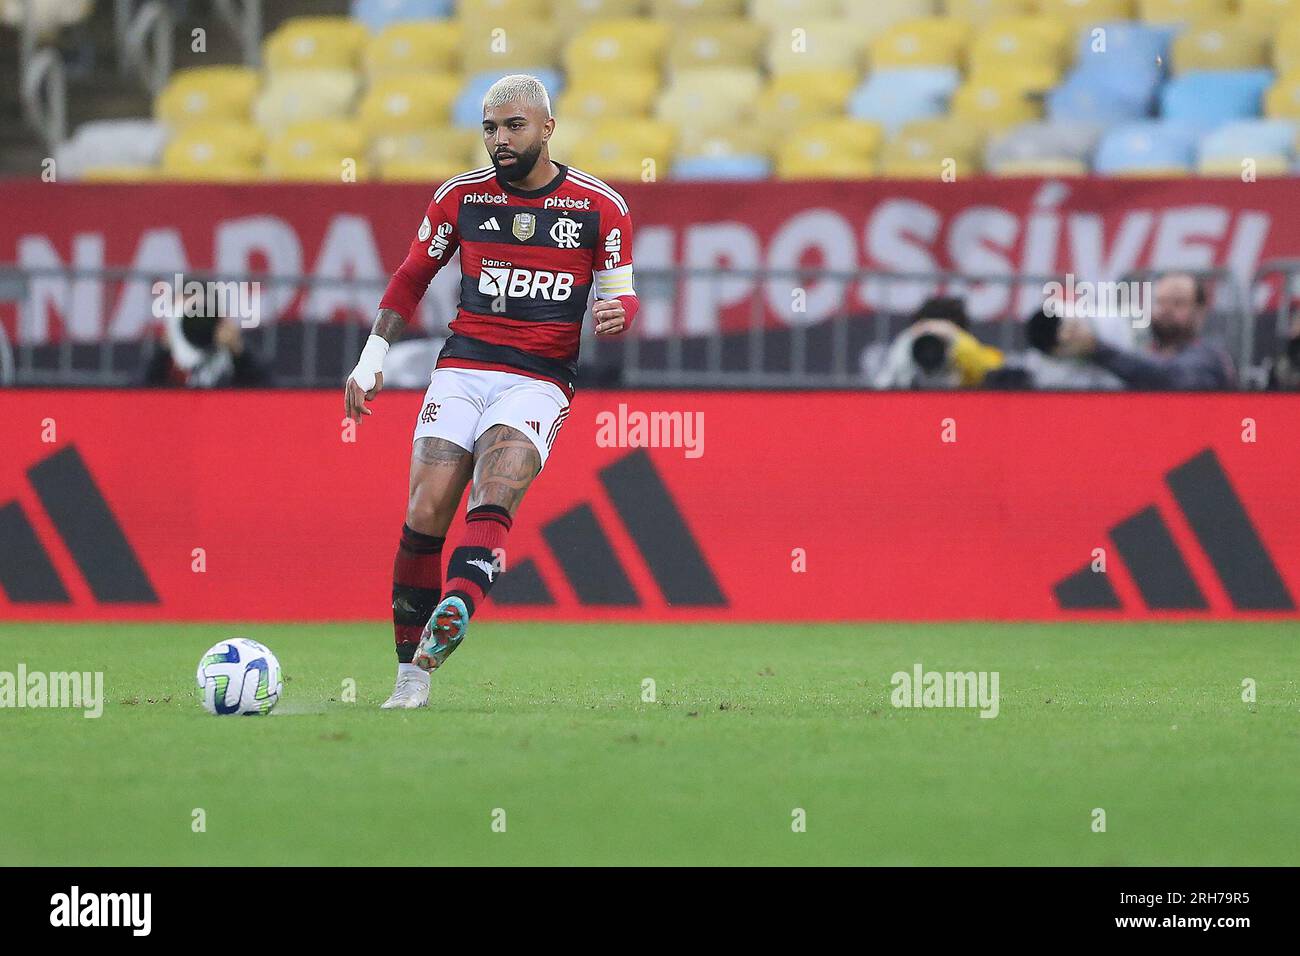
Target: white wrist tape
371,362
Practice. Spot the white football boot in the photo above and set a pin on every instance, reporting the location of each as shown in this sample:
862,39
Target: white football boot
412,689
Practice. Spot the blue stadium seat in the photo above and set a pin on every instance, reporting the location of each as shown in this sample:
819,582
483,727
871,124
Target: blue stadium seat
1128,45
1153,145
468,108
1256,137
1212,97
895,97
1103,96
722,167
377,14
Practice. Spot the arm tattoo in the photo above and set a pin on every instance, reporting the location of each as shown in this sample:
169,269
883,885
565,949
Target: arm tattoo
388,326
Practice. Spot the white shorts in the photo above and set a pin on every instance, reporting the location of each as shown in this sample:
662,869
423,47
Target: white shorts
462,403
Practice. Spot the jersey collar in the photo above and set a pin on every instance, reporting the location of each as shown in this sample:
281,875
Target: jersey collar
540,191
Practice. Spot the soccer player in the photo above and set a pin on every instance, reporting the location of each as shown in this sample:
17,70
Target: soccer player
535,237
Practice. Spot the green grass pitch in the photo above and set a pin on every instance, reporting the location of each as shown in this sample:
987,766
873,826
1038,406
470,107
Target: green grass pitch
546,722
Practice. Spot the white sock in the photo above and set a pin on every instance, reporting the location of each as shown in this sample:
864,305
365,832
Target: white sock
407,669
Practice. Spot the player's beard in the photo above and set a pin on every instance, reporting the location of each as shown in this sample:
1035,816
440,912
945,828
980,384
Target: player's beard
521,167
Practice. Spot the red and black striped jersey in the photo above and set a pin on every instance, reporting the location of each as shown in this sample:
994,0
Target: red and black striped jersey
529,260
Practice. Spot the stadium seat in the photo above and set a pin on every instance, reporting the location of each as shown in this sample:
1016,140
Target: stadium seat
1019,41
734,140
1086,13
709,97
919,149
982,12
1267,11
794,98
1046,166
315,43
1104,95
418,171
683,11
1283,99
626,150
1269,144
894,98
220,150
1153,147
407,103
1044,145
932,41
609,97
1036,80
874,17
315,150
207,93
462,148
581,11
379,14
730,168
503,12
529,45
468,108
697,43
1183,11
1128,46
122,174
607,45
426,47
122,143
822,45
784,14
992,105
300,95
1211,97
1218,46
830,149
1286,48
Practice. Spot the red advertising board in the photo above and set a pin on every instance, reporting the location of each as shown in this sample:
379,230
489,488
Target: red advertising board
1096,229
825,506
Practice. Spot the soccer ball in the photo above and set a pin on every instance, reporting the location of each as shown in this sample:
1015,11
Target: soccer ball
239,676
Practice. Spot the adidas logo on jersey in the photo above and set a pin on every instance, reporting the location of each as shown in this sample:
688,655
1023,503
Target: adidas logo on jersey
491,224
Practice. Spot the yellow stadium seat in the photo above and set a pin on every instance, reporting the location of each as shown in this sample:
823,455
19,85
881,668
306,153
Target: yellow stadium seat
568,136
1223,45
446,144
1045,166
697,43
528,44
299,95
1268,11
314,150
420,46
680,11
1286,48
817,45
1183,11
608,45
1026,78
1151,172
1079,13
932,41
830,149
1233,168
979,12
219,144
1016,41
609,97
710,96
212,173
874,17
723,141
120,174
581,11
786,13
315,43
795,98
503,11
419,171
993,105
207,93
919,149
400,104
625,149
1283,99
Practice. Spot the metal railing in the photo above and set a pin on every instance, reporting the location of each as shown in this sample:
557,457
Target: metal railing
43,89
144,41
786,328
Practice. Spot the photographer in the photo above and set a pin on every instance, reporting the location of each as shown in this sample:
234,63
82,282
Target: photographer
1178,358
201,352
937,351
